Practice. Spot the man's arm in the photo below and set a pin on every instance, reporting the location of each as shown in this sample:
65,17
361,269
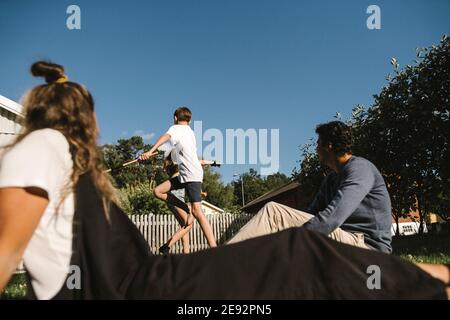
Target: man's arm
319,199
161,140
356,184
20,212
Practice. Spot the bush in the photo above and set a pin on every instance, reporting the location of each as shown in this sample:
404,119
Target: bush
139,199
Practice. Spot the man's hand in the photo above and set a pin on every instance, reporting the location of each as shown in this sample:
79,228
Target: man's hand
215,164
146,155
210,163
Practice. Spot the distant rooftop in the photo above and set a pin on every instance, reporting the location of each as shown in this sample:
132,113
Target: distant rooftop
273,193
11,106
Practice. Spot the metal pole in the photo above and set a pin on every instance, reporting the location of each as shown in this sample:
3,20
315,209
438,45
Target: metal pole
242,184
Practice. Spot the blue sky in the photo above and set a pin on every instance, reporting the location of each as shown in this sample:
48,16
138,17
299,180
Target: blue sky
285,65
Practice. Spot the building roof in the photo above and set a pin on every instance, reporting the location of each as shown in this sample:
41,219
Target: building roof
273,193
207,204
413,216
11,106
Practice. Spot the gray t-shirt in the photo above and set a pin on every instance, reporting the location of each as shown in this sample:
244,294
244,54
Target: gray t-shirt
355,200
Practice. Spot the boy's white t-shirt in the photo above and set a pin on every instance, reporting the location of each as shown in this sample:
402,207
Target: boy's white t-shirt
42,159
185,153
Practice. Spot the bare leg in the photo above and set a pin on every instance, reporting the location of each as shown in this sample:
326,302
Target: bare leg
438,271
273,217
204,224
179,234
181,217
162,192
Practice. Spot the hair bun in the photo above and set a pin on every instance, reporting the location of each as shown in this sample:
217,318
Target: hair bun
50,71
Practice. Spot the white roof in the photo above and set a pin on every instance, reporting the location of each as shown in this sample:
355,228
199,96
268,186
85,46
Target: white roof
206,203
11,106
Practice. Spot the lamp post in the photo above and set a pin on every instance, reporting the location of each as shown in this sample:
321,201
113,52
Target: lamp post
242,186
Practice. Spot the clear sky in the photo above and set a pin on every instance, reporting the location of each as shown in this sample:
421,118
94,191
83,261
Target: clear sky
285,65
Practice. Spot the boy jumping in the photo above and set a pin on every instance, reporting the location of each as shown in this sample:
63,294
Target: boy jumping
190,178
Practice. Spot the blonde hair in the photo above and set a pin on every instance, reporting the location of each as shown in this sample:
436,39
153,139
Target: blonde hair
69,108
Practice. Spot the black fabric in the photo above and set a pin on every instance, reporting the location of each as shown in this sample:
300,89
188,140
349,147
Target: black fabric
108,253
174,201
293,264
193,189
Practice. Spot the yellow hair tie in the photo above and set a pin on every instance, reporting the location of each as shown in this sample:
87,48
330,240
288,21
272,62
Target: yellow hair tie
62,79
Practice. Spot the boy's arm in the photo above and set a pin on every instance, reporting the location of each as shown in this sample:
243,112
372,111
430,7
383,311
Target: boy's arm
212,163
146,155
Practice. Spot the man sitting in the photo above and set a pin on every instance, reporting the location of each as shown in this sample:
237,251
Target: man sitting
352,205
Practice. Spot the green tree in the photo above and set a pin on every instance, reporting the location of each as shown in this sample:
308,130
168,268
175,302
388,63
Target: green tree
409,125
217,193
405,134
139,199
255,185
128,149
135,182
310,174
276,180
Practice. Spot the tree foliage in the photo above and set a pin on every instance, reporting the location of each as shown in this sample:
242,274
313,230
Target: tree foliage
255,185
405,133
128,149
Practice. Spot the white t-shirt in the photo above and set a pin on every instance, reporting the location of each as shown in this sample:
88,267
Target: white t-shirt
42,159
185,153
168,149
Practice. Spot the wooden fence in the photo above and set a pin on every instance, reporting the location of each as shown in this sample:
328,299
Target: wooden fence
157,229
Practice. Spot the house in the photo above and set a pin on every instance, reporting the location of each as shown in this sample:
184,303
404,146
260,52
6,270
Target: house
409,225
436,223
287,194
11,115
209,208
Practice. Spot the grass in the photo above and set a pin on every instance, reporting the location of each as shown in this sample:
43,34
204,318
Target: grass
427,248
16,288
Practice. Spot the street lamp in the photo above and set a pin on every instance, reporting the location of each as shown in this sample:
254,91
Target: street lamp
242,185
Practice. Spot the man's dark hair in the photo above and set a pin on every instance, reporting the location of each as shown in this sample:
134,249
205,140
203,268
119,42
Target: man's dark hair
183,114
338,134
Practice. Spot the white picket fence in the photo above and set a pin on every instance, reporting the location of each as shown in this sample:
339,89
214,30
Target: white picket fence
157,229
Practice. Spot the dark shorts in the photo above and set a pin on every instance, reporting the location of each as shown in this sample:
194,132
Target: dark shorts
193,189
